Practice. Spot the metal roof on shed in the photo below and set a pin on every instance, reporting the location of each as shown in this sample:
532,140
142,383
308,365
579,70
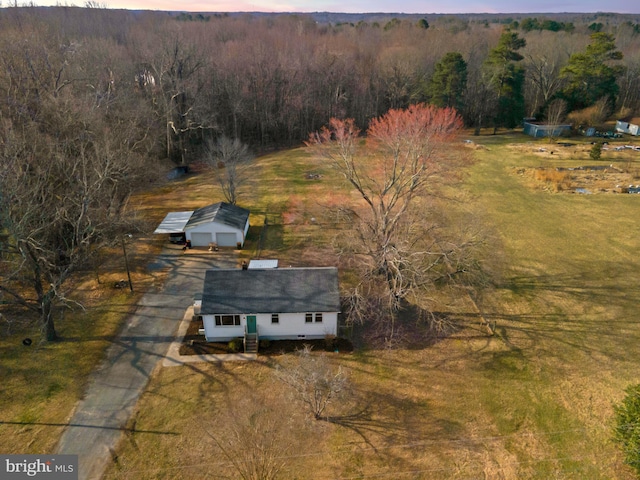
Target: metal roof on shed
174,222
221,212
263,264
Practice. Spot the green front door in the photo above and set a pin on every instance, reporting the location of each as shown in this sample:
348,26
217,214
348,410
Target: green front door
251,324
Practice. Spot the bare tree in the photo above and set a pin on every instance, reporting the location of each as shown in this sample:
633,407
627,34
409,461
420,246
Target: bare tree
63,184
231,161
545,55
314,381
175,81
556,113
397,240
256,438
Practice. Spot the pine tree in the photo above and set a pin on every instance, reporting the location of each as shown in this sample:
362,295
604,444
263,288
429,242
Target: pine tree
590,75
449,81
507,78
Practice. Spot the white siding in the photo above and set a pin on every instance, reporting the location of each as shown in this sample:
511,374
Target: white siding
221,333
622,127
290,326
214,228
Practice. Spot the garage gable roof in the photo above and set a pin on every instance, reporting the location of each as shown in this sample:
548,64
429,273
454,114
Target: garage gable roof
221,212
174,222
273,290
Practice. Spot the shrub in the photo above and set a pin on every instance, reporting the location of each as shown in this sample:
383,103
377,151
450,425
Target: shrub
558,180
330,342
235,345
627,428
596,151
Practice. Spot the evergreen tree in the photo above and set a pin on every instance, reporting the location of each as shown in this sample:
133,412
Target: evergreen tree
422,23
590,75
507,78
627,428
449,81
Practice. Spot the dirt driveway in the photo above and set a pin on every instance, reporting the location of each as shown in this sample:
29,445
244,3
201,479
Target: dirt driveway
101,417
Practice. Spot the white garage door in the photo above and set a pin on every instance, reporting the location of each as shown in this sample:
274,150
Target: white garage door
201,239
226,239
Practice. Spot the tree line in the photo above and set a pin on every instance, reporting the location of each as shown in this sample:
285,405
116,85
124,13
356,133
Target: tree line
270,80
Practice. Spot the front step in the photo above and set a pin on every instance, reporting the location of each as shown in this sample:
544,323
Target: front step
251,343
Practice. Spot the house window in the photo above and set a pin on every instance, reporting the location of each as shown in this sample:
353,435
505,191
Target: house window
275,318
308,317
227,320
318,318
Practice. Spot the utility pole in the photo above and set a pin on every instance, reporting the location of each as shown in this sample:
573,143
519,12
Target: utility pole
126,260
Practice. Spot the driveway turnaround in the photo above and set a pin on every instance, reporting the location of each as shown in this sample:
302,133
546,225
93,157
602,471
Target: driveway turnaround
101,417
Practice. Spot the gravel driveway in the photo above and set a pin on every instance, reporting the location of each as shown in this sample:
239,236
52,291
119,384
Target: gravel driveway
100,418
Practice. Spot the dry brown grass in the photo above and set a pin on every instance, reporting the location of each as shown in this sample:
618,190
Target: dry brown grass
557,180
42,383
531,402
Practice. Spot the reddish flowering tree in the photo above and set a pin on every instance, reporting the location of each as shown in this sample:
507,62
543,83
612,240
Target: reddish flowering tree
407,154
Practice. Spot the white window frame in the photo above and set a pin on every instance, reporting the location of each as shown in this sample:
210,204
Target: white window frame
234,318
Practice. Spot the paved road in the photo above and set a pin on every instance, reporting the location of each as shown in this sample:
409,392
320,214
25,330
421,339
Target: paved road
101,417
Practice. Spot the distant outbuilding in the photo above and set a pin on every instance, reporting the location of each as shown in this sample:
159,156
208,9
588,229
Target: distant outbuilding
539,130
631,127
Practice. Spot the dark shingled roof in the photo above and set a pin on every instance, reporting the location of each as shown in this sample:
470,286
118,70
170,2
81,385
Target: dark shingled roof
274,290
220,212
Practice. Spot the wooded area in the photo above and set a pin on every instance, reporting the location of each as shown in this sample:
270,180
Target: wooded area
269,80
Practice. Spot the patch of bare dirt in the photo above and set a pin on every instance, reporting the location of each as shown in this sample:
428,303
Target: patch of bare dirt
585,179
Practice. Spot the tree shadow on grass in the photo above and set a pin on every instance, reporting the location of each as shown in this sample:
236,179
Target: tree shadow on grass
413,328
386,422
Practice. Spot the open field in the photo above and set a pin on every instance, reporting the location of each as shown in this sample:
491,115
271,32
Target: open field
533,401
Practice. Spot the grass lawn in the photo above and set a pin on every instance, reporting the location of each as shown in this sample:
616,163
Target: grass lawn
533,401
41,383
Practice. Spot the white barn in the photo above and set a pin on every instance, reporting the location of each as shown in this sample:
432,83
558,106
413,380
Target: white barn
270,303
222,224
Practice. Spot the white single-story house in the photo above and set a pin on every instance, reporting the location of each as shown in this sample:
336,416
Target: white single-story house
222,224
270,303
627,127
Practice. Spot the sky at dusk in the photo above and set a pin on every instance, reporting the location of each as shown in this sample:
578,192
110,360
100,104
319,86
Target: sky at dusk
366,6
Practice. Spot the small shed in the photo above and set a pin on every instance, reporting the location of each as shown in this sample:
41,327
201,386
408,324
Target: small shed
539,130
224,224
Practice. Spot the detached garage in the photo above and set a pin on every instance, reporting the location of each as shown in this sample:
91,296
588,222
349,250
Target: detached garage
222,224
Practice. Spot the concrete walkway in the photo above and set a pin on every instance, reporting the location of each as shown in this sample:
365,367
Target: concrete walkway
101,417
173,357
